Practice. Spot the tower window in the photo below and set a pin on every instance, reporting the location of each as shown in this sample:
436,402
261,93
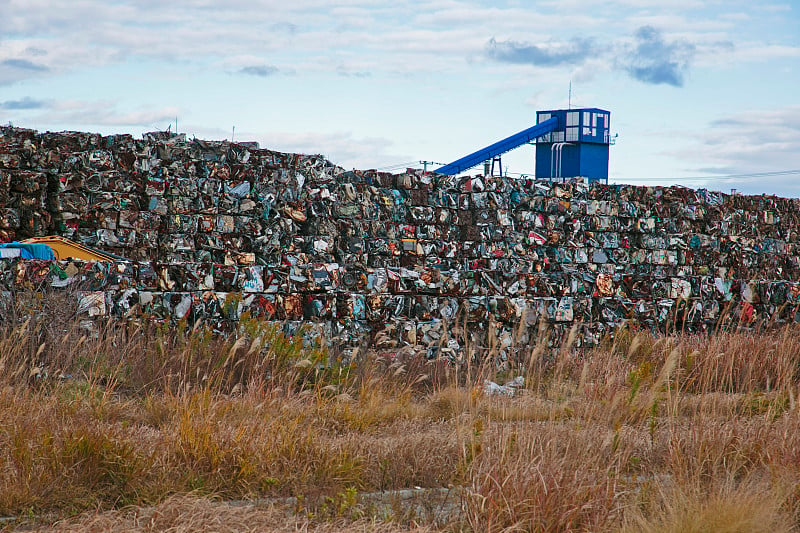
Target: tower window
572,134
573,118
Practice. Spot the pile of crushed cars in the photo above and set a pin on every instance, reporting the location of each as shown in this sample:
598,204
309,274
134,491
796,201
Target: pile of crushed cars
212,230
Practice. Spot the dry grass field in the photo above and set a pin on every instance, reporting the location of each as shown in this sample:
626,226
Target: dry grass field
146,428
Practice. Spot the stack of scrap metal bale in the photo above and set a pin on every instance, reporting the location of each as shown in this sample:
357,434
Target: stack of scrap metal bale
24,209
214,229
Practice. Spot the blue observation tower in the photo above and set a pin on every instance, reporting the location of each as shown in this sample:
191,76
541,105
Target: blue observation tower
578,146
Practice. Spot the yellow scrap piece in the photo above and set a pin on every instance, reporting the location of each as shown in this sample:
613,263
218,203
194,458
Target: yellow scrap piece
67,249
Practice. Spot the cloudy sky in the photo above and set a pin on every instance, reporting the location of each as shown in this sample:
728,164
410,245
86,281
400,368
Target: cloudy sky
701,92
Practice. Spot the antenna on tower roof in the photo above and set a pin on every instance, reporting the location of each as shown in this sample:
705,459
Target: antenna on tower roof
569,102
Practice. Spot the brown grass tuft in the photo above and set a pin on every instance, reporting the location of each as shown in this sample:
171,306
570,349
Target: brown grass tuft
684,433
182,514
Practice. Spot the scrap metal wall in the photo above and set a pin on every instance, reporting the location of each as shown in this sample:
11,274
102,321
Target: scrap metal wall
214,230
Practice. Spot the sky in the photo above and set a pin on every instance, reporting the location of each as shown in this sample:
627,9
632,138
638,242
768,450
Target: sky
702,93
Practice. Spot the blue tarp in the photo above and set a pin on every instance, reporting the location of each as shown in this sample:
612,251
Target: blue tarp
31,251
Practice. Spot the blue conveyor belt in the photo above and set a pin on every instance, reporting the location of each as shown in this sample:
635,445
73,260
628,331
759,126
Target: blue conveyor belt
499,148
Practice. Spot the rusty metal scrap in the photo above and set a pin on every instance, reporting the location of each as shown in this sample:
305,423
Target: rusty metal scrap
214,230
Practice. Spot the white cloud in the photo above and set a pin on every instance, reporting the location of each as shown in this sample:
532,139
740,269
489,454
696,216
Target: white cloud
757,52
401,38
75,114
753,142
